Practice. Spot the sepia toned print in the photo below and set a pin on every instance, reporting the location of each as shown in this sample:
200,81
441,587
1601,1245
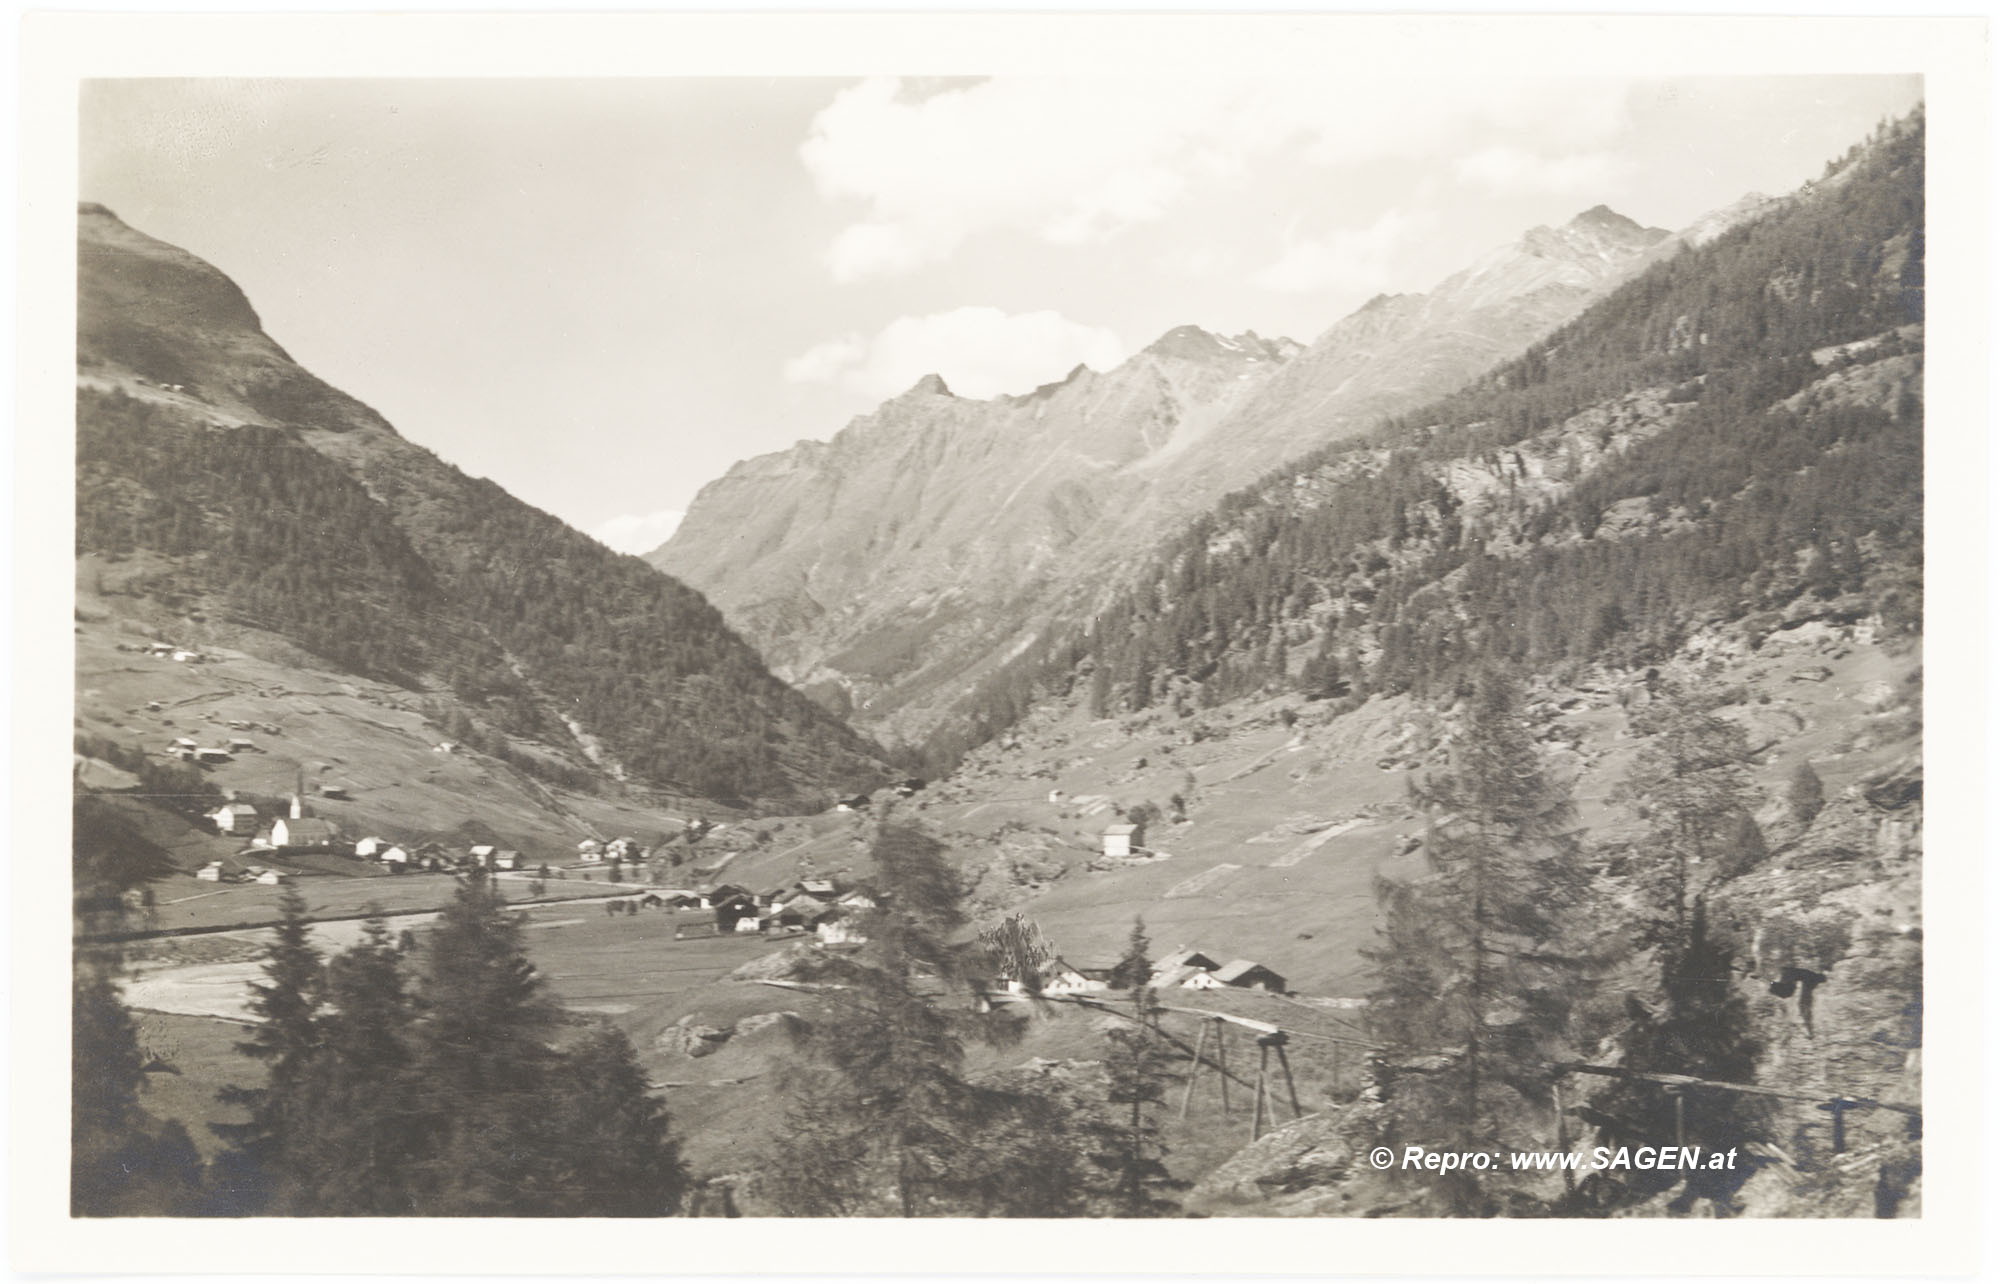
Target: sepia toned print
1031,646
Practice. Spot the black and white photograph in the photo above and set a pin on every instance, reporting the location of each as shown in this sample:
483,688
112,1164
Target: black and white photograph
1340,637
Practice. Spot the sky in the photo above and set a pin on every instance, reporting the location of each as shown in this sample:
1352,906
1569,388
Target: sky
601,293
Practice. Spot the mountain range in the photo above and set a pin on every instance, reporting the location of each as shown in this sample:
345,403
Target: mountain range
890,570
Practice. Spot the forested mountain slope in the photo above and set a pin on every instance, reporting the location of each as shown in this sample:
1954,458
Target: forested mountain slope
242,498
1735,435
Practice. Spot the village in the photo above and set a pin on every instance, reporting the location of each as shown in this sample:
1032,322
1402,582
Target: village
831,911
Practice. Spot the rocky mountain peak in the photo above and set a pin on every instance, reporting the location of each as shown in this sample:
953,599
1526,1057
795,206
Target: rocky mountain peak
931,385
1192,343
1598,233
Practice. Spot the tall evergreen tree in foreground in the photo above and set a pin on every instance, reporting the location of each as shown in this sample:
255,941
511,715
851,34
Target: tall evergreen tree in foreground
261,1167
882,1118
357,1145
1475,984
1702,1028
449,1097
1138,1070
1691,781
124,1162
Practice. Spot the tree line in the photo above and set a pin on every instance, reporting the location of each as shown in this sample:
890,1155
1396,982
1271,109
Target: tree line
435,1080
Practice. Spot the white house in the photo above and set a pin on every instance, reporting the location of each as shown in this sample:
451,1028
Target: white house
839,926
393,855
302,832
1118,840
235,818
271,878
210,873
483,852
1057,977
370,846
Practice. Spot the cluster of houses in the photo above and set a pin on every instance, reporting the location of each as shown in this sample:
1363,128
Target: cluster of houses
862,802
1185,969
188,749
166,651
235,871
1190,969
826,908
293,831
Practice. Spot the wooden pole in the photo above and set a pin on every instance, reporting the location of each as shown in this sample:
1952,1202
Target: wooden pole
1194,1068
1562,1134
1222,1061
1838,1109
1291,1088
1680,1117
1257,1093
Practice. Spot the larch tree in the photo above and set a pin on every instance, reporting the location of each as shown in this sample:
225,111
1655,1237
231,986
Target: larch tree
1135,967
1128,1146
1474,981
1691,783
881,1116
1699,1025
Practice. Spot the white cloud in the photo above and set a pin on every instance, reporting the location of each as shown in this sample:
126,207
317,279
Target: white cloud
826,362
1078,160
1355,259
979,352
637,532
1504,168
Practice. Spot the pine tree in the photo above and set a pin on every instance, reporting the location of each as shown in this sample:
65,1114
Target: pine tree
356,1147
1692,778
1136,967
1703,1028
881,1118
1806,795
482,1064
612,1152
256,1171
124,1162
1473,979
1130,1150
